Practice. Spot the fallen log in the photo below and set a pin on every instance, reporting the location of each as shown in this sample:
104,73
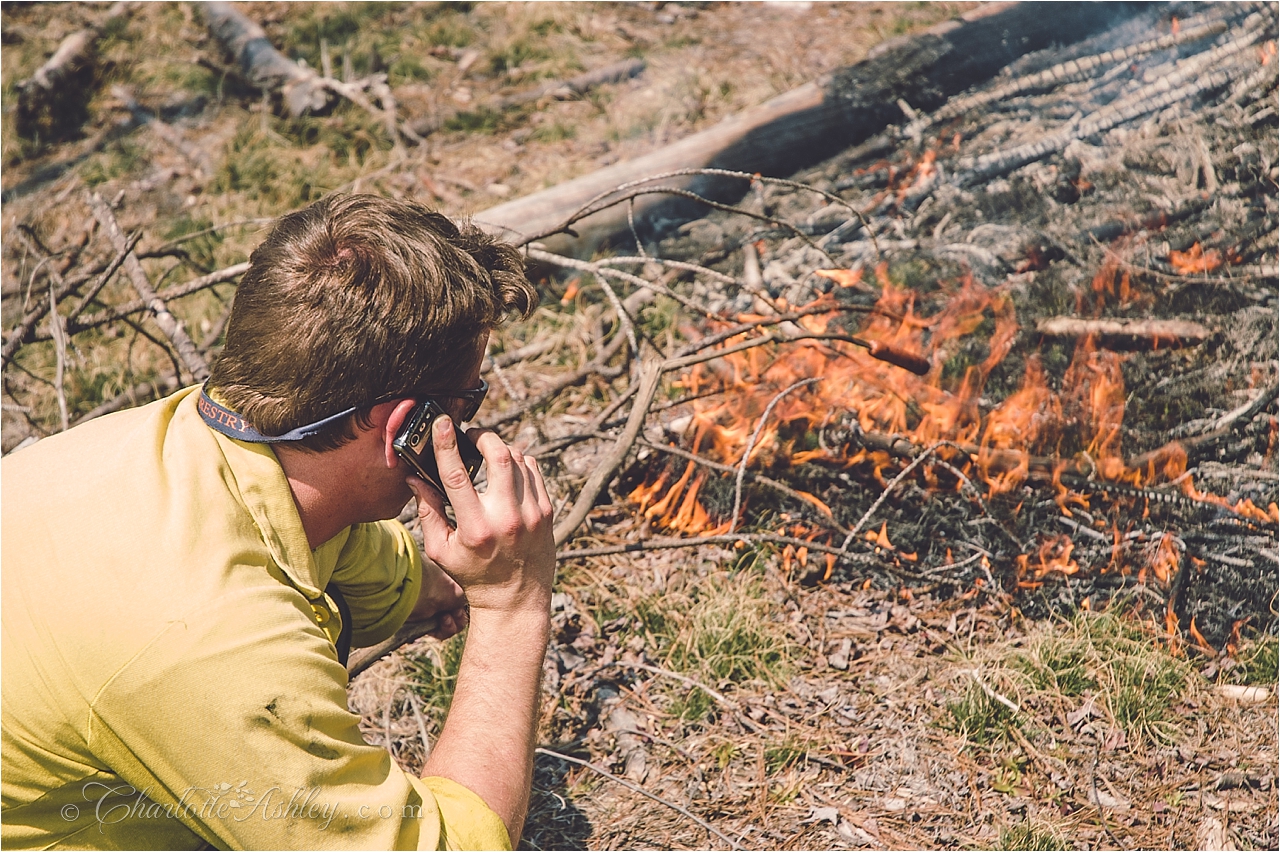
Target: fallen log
73,57
805,125
1128,334
48,95
302,89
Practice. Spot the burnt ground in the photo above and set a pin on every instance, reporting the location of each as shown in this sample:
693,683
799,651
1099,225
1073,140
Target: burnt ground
926,689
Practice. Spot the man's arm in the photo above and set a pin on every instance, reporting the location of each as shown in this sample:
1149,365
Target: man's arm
503,555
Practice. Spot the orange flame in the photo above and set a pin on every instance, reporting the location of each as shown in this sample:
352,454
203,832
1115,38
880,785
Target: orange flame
1163,558
1007,443
1195,259
1053,556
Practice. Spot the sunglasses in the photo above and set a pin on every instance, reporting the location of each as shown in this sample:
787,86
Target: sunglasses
474,398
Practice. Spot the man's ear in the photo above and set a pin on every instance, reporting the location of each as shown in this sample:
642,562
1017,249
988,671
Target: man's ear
388,417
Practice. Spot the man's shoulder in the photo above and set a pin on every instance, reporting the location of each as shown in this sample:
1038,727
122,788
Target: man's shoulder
122,438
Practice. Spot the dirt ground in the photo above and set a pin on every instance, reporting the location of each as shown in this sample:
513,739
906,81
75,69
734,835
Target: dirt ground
695,698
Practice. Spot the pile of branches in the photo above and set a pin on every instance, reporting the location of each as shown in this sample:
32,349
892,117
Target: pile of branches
1122,192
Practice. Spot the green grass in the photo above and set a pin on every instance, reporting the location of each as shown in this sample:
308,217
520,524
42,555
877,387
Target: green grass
1058,665
1258,663
783,755
481,120
122,158
979,718
1120,663
1031,836
555,132
719,634
435,675
203,248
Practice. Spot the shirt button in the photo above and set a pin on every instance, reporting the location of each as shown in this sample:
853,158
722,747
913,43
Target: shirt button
322,614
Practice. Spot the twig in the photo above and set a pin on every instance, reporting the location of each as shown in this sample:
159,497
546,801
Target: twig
823,306
650,373
884,495
158,387
730,704
770,538
659,740
1142,334
692,196
362,658
604,271
97,286
746,454
23,333
593,430
168,384
221,276
564,89
624,318
60,345
169,324
642,791
168,247
992,694
631,223
672,264
595,368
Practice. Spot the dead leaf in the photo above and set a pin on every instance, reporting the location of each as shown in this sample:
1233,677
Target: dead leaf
1089,708
853,835
1212,836
1103,799
840,659
831,815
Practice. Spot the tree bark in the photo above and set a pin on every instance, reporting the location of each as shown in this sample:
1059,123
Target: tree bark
1128,334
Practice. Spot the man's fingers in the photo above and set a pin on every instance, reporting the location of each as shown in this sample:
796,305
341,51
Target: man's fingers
540,485
450,624
435,524
453,473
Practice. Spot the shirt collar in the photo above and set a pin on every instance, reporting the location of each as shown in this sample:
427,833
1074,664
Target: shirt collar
264,491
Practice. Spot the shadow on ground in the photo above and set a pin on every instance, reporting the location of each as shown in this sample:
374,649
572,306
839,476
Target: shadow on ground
554,821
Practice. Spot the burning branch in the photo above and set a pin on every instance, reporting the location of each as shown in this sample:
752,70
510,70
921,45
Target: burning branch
751,443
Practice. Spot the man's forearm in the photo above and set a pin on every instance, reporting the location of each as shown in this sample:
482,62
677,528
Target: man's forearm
488,738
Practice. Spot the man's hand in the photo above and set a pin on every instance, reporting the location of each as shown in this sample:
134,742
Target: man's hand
442,599
502,552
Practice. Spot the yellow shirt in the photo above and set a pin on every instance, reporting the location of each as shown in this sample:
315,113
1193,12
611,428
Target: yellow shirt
170,679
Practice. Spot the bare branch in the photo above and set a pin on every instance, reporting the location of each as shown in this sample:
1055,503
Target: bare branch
650,373
168,323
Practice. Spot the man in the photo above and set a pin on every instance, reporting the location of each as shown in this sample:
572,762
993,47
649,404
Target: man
177,578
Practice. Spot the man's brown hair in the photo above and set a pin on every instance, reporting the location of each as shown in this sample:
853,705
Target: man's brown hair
358,298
